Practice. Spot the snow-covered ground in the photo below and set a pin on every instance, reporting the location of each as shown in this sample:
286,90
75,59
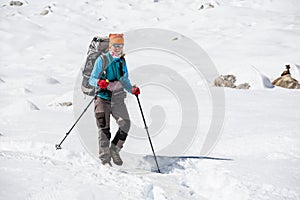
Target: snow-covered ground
257,155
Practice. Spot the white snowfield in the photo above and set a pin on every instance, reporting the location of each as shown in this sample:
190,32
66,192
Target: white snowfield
257,156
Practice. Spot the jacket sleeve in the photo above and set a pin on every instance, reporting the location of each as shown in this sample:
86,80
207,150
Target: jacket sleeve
96,72
125,80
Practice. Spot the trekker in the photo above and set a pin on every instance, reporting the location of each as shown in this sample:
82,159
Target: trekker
110,99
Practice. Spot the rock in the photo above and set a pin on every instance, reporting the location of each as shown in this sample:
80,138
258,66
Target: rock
15,3
44,12
225,81
286,81
208,5
201,7
229,81
66,104
245,86
61,104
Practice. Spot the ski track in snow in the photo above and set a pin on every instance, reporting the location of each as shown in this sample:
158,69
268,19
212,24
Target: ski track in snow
42,55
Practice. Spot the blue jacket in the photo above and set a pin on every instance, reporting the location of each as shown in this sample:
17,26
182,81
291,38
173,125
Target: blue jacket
113,73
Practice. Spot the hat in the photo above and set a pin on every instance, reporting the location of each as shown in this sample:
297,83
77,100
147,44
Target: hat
116,38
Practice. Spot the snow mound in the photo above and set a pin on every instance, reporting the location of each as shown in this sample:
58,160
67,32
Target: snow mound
19,107
272,5
31,105
52,80
296,71
26,91
79,171
265,81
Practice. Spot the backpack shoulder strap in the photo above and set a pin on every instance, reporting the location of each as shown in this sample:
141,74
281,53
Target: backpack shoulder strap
104,64
122,65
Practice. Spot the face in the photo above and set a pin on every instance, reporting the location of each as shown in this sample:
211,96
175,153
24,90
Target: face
116,49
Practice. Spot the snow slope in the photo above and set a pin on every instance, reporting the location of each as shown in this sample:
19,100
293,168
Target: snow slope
257,156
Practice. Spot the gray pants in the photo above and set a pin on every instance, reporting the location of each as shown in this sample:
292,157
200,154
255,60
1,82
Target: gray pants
103,109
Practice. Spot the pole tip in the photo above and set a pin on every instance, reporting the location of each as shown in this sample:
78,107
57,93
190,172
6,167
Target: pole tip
57,146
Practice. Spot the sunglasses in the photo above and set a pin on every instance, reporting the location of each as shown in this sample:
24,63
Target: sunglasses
118,45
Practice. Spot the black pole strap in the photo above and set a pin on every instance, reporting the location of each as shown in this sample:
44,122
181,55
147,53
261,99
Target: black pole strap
148,133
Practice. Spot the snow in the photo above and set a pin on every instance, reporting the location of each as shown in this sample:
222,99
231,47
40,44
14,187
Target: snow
256,156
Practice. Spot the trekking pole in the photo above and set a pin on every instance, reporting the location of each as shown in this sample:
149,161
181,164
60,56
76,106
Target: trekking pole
148,133
58,146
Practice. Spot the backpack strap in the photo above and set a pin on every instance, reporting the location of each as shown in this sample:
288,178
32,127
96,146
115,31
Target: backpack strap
104,65
122,65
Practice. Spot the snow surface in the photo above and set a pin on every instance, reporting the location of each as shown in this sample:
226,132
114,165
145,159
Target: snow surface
257,156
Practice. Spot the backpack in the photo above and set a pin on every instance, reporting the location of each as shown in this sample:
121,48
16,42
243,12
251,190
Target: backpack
98,46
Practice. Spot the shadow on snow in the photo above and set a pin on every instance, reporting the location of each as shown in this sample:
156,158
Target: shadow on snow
169,163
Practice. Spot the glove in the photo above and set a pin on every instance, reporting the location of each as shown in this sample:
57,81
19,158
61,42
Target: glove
103,84
135,90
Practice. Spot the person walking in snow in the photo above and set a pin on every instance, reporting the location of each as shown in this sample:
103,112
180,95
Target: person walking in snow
110,99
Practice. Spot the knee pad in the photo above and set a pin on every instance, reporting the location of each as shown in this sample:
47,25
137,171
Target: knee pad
101,119
123,135
106,132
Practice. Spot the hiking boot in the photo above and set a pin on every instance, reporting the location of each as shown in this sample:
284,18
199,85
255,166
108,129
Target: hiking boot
107,164
114,153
